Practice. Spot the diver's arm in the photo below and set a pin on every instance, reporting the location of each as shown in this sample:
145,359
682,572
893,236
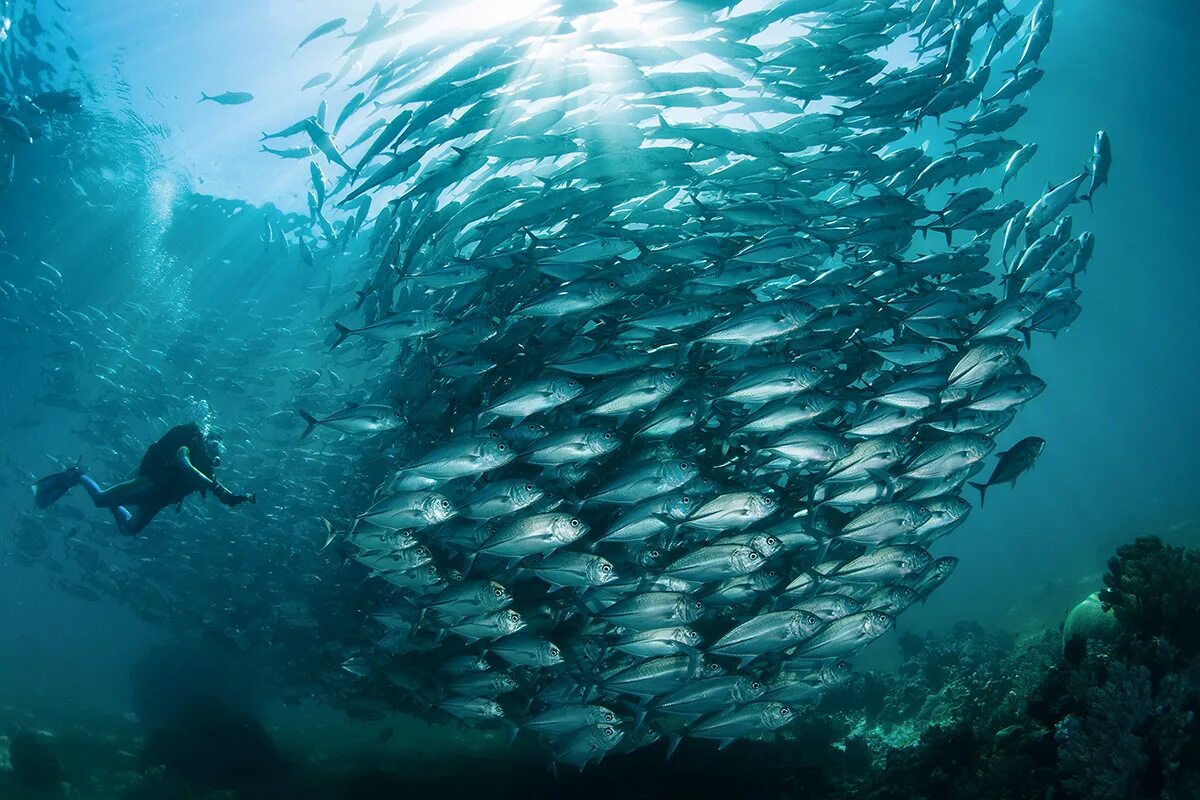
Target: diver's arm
201,481
229,498
205,483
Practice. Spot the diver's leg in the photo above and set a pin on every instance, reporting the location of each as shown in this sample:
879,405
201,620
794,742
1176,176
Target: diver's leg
124,519
133,524
119,495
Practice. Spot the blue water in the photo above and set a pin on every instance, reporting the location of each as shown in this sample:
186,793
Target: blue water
1118,413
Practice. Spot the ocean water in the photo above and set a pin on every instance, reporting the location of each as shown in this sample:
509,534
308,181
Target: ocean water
153,272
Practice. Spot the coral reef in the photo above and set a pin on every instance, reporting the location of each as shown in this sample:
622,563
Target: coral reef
1107,712
1101,753
1154,591
1091,619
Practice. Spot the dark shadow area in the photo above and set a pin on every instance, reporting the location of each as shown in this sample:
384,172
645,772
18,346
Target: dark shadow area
168,684
210,747
35,765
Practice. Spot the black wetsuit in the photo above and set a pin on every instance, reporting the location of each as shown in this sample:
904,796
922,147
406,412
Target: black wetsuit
160,464
173,467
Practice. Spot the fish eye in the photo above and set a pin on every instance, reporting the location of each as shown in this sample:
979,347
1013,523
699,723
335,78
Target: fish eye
699,606
683,465
494,435
571,382
685,499
609,717
499,592
609,731
574,523
502,447
612,284
608,436
606,568
753,556
554,651
529,487
785,711
654,554
445,504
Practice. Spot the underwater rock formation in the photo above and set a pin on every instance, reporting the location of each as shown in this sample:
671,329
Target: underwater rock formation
1090,620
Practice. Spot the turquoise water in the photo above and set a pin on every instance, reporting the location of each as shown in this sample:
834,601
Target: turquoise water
161,303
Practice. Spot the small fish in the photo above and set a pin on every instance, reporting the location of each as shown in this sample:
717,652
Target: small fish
323,29
228,98
1012,463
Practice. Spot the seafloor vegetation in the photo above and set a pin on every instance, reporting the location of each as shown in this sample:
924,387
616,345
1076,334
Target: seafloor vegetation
1106,709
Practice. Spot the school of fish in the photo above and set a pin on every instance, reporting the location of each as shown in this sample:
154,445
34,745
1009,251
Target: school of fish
698,389
680,328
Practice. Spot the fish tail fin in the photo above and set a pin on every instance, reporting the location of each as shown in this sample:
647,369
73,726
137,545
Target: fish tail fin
203,97
513,730
343,332
330,534
312,422
673,740
982,487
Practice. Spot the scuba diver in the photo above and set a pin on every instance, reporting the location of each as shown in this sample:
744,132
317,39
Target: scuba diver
179,463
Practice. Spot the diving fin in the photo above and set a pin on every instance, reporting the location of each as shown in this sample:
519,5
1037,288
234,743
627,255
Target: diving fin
48,489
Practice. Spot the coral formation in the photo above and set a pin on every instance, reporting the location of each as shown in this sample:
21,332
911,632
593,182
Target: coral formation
1154,591
1091,619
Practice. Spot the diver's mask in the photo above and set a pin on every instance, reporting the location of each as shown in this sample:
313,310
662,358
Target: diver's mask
214,448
